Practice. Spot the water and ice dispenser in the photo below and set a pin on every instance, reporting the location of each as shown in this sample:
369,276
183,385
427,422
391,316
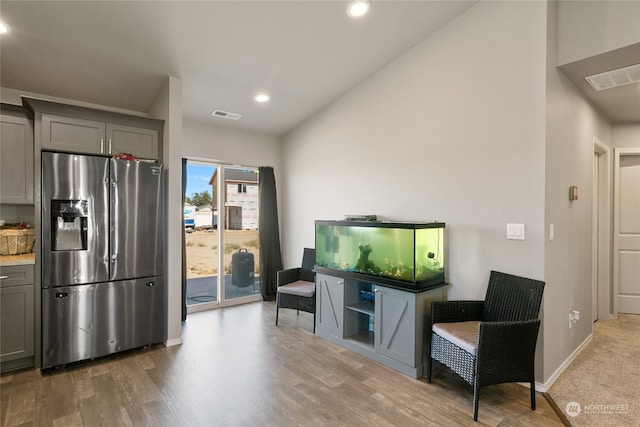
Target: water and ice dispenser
69,225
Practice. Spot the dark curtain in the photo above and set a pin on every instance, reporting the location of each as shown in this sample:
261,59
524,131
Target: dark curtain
270,257
184,246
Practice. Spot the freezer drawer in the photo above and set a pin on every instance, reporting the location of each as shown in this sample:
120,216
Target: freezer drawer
88,321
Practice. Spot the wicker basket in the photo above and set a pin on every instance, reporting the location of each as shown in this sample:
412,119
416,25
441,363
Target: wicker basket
14,242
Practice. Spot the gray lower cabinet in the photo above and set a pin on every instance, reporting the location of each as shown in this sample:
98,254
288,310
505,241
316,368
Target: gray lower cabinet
78,135
395,331
329,305
16,160
17,337
389,325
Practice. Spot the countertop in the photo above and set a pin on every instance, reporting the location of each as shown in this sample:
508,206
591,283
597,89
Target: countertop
22,259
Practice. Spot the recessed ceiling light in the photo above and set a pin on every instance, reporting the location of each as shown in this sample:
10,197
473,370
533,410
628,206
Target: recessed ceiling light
358,8
4,28
262,97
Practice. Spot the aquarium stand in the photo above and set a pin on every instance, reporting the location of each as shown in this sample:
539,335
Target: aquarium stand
384,323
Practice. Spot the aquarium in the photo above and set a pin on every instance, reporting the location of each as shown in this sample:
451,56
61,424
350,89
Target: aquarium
404,254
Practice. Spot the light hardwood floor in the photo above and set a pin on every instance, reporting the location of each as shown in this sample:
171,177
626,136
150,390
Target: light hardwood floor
236,368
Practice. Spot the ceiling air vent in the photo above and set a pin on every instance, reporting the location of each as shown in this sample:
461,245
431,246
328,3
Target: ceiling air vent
615,78
226,115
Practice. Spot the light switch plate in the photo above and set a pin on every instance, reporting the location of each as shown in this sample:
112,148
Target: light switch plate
515,232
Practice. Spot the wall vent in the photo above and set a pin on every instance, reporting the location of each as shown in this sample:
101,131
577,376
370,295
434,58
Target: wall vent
226,115
615,78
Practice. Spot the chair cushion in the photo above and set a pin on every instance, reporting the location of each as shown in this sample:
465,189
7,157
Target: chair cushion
300,287
461,334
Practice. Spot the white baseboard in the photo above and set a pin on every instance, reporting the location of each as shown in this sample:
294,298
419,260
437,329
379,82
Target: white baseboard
175,341
544,387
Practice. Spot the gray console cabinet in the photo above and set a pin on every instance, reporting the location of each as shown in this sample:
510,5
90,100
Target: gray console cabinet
391,327
17,336
16,157
60,133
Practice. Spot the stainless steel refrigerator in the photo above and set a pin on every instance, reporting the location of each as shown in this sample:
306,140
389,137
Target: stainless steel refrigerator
102,256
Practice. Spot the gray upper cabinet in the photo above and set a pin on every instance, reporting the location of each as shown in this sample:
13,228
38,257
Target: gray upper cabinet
71,134
133,140
80,135
16,160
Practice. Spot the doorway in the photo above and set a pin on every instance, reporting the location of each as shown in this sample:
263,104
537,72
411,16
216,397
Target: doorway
221,235
602,291
627,231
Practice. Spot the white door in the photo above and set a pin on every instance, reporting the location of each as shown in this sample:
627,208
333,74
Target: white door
627,231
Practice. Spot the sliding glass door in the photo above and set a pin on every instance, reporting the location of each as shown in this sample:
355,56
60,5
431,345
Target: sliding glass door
221,235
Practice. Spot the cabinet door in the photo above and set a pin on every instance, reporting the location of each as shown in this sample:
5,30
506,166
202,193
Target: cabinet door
16,160
140,142
17,317
72,134
329,305
395,324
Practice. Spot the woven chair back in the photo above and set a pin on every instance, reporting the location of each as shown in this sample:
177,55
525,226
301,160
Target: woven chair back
308,262
512,298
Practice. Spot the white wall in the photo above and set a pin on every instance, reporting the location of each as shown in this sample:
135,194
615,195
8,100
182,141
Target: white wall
626,135
570,127
219,143
453,131
589,28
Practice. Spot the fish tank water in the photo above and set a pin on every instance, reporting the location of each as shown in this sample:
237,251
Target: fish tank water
409,255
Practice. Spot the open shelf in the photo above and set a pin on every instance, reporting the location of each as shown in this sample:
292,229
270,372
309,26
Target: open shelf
364,338
366,307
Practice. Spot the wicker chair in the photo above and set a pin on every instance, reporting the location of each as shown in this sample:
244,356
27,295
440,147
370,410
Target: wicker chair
297,287
491,341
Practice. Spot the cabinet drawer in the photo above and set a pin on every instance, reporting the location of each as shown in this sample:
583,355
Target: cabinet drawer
16,275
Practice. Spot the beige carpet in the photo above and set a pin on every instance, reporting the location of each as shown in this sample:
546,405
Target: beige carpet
602,385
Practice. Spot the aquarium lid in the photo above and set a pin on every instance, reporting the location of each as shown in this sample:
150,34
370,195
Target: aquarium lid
360,217
381,224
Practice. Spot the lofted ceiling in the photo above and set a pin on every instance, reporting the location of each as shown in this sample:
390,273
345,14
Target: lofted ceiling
304,53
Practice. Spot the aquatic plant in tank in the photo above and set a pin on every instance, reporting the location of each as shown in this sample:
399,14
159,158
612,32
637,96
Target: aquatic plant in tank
410,253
